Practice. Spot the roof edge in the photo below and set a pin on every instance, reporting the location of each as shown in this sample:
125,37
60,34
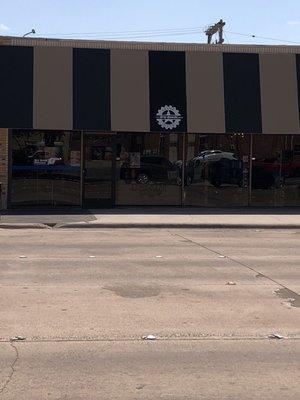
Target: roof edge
158,46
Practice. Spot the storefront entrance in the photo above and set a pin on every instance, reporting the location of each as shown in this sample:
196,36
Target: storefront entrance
98,175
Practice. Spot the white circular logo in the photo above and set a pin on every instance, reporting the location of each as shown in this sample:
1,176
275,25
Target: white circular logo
168,117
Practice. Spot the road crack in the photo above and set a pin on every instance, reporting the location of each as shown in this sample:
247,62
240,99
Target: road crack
12,367
242,264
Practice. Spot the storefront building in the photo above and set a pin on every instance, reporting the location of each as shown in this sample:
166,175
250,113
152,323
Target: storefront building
101,124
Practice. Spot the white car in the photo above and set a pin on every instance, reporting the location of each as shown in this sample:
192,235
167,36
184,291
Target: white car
215,155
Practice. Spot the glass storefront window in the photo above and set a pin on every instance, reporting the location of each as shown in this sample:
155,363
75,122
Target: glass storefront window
148,169
217,170
275,170
46,168
54,168
291,182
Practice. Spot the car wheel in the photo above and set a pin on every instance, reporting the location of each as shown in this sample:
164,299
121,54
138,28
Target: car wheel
142,178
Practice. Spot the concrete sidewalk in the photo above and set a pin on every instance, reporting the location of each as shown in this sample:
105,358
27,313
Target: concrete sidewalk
157,217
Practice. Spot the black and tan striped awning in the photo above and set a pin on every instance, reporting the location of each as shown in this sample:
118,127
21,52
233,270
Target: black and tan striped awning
130,87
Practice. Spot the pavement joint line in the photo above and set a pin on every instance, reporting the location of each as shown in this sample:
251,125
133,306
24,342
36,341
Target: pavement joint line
100,286
13,370
235,261
158,339
109,257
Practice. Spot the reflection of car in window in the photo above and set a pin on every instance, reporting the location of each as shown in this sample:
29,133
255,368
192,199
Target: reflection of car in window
215,155
217,166
152,168
40,158
274,172
266,173
226,171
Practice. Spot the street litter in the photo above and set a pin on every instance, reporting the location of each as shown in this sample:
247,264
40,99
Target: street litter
140,387
230,283
14,338
149,337
275,336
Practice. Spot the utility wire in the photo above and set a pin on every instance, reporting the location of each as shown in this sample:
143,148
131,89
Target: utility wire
98,37
149,33
136,36
130,32
154,35
263,37
226,37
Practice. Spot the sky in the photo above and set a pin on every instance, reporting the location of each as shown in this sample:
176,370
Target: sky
154,20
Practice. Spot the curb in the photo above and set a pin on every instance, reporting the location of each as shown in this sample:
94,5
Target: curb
105,225
173,226
23,226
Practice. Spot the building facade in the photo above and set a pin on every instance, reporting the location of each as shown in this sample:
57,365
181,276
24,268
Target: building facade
102,124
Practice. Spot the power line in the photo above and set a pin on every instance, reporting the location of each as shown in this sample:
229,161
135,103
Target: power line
226,37
262,37
130,32
149,33
136,36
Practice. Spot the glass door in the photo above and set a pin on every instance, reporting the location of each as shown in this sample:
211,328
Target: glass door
149,169
98,170
46,168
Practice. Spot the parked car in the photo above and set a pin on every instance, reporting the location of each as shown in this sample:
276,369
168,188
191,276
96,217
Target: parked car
152,169
226,171
217,166
40,158
215,155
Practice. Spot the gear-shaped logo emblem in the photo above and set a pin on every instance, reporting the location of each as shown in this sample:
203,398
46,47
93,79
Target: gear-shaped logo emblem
168,117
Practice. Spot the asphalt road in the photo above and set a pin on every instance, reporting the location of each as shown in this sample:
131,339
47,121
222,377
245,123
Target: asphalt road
83,299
